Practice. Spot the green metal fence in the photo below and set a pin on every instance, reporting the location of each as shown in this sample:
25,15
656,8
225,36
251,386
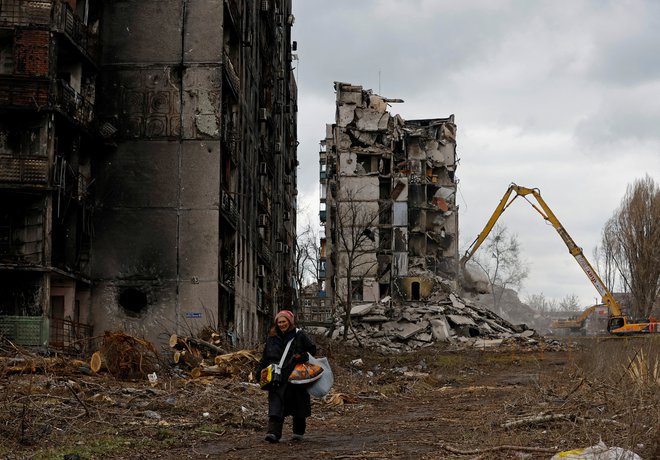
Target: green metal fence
25,330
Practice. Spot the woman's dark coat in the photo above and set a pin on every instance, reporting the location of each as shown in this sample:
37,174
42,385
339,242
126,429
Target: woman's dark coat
288,398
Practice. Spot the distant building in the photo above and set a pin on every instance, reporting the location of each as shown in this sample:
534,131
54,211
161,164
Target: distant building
313,307
165,201
388,201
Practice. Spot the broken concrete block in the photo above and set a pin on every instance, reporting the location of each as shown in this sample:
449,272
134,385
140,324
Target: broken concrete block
374,319
434,309
350,97
361,310
357,362
424,337
377,103
407,330
346,115
370,120
457,304
487,343
415,374
410,316
440,329
460,320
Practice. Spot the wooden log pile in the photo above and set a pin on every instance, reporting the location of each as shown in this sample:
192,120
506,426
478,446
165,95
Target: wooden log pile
206,358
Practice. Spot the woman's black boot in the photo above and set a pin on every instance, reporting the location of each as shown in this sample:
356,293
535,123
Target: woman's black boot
274,429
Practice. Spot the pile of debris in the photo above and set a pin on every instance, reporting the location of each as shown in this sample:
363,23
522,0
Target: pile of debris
392,327
204,356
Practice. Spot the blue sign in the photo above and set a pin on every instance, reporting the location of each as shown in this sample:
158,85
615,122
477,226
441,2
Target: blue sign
193,314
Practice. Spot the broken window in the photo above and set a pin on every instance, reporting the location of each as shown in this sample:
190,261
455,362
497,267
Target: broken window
357,290
5,233
365,164
385,187
385,241
7,52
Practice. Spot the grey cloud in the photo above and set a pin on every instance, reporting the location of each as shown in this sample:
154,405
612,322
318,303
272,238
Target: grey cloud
626,44
630,116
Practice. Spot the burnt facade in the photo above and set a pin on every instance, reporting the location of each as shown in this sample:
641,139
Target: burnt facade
388,206
163,194
49,64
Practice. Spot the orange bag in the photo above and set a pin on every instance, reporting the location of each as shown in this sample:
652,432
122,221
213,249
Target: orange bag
305,373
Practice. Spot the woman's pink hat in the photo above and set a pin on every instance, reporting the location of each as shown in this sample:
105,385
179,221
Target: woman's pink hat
286,314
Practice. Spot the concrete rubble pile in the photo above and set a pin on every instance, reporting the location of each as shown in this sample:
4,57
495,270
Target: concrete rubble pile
444,317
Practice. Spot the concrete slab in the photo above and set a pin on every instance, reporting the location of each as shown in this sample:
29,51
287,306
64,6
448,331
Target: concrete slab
461,320
407,330
440,329
361,310
487,343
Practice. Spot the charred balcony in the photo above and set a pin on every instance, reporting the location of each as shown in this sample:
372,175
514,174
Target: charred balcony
23,171
54,15
229,209
38,93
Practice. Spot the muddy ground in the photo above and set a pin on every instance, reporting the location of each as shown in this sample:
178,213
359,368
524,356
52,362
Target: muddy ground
444,402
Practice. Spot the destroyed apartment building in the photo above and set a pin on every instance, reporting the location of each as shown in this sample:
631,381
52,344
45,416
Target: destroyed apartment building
147,167
389,252
388,191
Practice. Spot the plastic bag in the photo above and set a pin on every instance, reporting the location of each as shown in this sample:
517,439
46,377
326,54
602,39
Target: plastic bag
321,387
598,452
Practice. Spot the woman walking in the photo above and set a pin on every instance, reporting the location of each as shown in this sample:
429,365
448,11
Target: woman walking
286,399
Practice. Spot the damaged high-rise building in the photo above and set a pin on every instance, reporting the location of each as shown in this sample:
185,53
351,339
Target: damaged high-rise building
388,209
147,167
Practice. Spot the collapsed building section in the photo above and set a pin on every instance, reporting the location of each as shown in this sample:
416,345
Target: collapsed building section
388,207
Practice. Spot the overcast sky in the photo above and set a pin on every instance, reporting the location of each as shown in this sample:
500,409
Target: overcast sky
559,95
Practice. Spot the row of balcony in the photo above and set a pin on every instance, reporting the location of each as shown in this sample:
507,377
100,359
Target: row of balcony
44,93
231,74
264,251
229,208
56,15
24,170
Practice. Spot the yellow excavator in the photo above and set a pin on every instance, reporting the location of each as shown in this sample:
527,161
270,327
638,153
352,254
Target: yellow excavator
618,324
575,324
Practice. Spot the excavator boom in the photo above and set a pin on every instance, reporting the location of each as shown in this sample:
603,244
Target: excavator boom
618,324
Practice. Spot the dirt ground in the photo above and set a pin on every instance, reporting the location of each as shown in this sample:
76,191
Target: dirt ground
444,402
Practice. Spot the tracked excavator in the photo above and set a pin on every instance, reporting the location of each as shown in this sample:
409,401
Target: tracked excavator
618,323
577,324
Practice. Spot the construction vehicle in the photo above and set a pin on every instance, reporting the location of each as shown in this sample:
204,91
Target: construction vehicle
576,324
618,323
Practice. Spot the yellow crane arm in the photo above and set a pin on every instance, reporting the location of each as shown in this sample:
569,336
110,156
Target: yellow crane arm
548,216
501,207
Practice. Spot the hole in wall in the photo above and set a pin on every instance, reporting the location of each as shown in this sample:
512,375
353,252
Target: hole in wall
133,301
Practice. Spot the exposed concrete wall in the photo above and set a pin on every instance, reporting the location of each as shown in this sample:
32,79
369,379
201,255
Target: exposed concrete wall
160,186
200,187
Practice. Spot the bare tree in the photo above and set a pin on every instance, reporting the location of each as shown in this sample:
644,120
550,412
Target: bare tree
541,303
307,257
501,263
632,238
605,264
570,303
355,243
